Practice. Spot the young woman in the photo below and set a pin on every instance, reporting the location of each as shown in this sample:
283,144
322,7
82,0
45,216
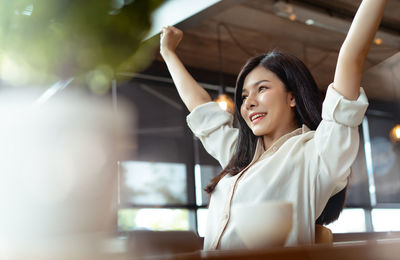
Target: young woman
285,148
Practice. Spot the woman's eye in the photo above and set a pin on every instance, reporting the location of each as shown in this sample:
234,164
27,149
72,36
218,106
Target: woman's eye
244,97
262,88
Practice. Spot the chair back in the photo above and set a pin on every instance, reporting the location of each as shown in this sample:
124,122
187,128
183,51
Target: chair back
323,235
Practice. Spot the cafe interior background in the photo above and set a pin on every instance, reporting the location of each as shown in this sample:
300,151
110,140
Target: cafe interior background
164,168
162,187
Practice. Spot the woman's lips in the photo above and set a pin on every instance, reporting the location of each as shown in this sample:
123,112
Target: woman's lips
258,119
256,115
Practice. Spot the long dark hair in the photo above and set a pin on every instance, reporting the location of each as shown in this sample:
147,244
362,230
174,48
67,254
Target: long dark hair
298,80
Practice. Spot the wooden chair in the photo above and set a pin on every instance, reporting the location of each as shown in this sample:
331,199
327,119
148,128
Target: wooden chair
323,235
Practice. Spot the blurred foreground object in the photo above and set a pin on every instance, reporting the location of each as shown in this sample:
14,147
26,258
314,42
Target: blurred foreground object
43,41
58,172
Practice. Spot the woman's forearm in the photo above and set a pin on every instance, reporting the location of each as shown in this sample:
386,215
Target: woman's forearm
191,93
356,46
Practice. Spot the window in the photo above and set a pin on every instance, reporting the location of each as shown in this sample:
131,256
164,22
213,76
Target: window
153,219
161,180
152,183
358,187
350,220
386,219
385,160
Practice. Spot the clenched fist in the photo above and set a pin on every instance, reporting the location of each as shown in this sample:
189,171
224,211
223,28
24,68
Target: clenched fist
169,39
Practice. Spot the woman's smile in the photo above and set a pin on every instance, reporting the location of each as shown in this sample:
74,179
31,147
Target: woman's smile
257,117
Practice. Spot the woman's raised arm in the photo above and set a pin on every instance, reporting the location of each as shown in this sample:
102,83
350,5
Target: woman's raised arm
356,46
191,93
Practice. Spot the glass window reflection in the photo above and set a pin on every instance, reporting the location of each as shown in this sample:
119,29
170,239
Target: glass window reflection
152,183
153,219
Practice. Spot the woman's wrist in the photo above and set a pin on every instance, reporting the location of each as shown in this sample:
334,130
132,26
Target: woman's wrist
166,53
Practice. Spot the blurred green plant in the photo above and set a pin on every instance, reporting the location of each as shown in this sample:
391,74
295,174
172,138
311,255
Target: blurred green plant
43,41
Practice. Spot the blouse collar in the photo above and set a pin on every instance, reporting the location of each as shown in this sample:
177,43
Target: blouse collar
278,143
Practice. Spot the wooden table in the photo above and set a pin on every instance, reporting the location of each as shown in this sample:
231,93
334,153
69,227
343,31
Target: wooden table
386,250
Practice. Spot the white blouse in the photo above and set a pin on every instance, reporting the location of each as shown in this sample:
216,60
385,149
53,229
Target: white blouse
303,167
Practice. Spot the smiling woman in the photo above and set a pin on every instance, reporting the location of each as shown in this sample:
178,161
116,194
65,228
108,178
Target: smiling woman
286,147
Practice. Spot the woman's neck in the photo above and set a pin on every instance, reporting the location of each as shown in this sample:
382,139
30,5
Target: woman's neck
270,139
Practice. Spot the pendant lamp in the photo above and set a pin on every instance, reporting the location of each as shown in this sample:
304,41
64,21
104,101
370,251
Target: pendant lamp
223,100
395,132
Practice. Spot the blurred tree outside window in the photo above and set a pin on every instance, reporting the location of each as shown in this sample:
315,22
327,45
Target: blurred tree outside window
152,183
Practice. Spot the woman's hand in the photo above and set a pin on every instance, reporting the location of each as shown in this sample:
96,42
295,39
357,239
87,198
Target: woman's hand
169,39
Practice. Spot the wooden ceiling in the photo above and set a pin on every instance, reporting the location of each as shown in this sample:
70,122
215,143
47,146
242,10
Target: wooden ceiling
250,27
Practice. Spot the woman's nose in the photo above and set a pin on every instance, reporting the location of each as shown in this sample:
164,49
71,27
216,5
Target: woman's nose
250,101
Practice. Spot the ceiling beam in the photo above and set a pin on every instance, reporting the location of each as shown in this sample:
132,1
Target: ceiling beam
186,14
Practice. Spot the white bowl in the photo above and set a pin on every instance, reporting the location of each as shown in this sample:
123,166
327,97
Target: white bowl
263,225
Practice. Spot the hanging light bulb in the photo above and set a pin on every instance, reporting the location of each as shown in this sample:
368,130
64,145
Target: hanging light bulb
223,100
395,134
226,103
378,41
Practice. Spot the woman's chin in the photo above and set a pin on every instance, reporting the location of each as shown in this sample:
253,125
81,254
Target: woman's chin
258,132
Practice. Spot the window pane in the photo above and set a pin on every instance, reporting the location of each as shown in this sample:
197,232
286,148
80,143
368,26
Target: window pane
149,183
202,221
358,188
153,219
161,126
386,219
203,176
351,220
385,159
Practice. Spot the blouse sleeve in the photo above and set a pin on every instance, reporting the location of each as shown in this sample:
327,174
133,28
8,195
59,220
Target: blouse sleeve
213,126
337,139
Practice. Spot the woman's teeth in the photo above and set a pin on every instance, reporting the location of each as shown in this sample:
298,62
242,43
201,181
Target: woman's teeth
256,116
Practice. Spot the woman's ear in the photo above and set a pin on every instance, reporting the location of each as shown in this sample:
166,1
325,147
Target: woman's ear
291,99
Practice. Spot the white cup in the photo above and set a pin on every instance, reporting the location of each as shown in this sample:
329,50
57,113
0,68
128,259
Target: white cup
263,225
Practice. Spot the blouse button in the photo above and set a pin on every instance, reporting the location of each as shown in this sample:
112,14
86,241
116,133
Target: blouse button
274,149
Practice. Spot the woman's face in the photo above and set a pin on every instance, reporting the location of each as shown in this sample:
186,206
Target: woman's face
267,108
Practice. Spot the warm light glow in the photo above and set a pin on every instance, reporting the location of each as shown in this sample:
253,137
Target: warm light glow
223,105
378,41
226,103
292,17
395,134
